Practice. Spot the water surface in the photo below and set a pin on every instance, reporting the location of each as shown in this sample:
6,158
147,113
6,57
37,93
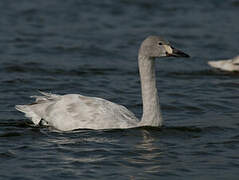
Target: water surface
91,48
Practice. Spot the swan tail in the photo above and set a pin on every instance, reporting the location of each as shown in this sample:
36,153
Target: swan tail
29,113
35,111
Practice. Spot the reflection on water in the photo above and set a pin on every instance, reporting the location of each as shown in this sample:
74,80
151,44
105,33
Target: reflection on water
149,153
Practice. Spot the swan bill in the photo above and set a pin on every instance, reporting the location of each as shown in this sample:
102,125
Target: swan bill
176,53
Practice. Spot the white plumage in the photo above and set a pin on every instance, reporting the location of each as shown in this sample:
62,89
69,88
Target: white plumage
226,65
74,111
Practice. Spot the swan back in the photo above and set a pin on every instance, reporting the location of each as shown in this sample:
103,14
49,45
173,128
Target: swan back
74,111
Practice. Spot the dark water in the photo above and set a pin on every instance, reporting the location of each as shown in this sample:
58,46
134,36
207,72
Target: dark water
90,47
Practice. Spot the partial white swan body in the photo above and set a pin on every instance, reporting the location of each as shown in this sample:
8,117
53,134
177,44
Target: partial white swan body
226,65
74,111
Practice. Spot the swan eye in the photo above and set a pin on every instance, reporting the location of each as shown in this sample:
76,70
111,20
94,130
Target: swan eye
160,43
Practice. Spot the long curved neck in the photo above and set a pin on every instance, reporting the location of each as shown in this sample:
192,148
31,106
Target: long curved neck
151,107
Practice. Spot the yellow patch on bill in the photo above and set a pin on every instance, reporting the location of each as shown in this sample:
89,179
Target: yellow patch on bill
168,49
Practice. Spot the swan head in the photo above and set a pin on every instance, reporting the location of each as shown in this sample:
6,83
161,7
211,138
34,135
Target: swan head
155,46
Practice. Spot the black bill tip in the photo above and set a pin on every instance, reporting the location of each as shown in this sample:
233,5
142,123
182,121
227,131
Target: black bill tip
177,53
